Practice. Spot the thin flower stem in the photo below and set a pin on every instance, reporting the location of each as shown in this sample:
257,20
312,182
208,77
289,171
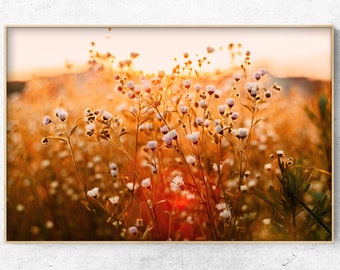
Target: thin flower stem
133,164
83,185
170,218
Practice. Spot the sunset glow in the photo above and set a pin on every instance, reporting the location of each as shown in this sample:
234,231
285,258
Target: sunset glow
298,52
169,134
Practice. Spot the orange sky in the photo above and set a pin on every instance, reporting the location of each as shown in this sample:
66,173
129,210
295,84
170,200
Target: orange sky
281,51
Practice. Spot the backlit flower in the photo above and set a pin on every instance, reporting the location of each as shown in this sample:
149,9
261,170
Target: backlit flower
199,121
114,173
193,137
177,183
152,145
187,83
114,200
93,192
164,129
266,221
191,160
217,93
167,139
206,123
268,166
61,114
202,103
221,109
221,206
130,85
91,127
146,183
225,214
210,89
241,133
250,86
224,209
113,166
243,188
230,102
257,76
219,129
132,187
172,134
47,120
237,76
197,87
107,116
133,230
184,109
234,115
280,153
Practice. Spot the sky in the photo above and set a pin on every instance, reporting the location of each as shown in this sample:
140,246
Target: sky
292,51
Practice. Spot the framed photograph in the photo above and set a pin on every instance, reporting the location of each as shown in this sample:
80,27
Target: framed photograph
158,134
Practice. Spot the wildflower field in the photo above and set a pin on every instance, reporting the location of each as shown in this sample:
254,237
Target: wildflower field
114,153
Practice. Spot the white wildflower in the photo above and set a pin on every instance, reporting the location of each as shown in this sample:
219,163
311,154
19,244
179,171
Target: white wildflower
280,153
266,221
113,166
225,214
177,183
114,200
230,102
199,121
221,206
234,115
133,230
191,160
184,109
210,89
241,133
47,120
132,187
107,115
268,166
61,114
152,145
146,183
237,76
197,87
130,85
193,137
219,129
164,129
187,83
93,192
172,134
222,108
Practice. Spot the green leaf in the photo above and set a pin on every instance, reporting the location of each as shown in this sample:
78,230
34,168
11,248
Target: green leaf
319,221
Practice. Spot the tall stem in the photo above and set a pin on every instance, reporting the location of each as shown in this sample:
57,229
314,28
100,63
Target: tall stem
83,185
